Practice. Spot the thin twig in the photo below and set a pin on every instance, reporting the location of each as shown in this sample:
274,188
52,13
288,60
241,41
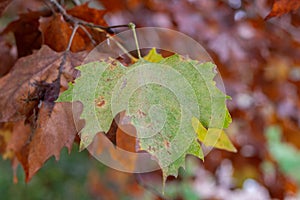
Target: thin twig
49,6
88,34
59,7
75,20
57,81
105,29
72,37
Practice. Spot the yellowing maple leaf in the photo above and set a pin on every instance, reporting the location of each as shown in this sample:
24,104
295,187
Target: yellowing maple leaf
213,137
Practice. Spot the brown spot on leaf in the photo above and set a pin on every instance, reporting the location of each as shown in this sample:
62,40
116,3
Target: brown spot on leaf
100,102
141,113
167,144
112,65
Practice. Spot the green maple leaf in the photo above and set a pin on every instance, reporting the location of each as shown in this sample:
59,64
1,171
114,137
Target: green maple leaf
160,95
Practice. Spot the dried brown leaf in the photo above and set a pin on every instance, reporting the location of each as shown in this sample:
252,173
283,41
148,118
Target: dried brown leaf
103,147
52,134
28,93
56,33
88,14
29,82
84,12
281,7
26,31
33,147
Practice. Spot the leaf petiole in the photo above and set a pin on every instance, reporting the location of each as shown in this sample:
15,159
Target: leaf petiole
132,26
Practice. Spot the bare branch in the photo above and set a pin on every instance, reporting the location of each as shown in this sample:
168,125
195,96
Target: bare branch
72,37
88,34
78,22
75,20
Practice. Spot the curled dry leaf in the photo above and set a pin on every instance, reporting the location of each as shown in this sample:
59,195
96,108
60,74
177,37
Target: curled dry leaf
20,136
84,12
26,31
35,28
28,93
88,14
121,153
126,138
34,146
125,143
56,33
31,79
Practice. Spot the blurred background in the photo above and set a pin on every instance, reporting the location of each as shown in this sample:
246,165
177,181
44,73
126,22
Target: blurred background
259,61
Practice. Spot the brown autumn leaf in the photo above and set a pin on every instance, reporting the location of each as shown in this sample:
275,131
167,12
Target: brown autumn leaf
103,149
28,92
56,33
126,141
281,7
118,144
92,15
30,81
33,147
20,136
125,149
26,31
3,5
88,14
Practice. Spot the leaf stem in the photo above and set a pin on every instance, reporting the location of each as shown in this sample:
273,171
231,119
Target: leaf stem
132,26
134,59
